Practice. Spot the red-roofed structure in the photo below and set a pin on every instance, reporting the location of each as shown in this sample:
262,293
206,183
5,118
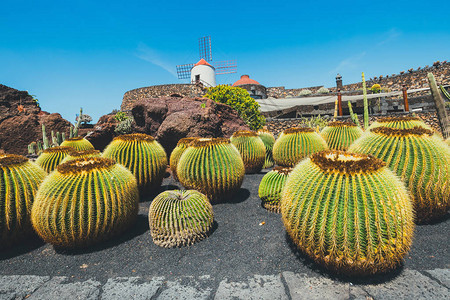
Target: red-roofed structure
203,62
245,79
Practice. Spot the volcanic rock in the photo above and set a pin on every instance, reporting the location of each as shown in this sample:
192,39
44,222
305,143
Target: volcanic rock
102,133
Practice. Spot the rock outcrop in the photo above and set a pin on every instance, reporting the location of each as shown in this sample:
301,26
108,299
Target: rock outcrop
102,133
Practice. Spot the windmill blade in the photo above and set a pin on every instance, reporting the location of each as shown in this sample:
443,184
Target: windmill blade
204,46
225,67
184,71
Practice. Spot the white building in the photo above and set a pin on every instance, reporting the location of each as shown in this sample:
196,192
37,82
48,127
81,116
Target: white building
204,73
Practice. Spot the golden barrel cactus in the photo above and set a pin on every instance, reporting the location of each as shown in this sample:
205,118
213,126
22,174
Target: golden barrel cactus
251,148
180,218
51,157
399,122
271,187
78,143
143,156
348,212
212,166
85,201
19,182
296,143
176,154
340,135
268,139
74,154
420,158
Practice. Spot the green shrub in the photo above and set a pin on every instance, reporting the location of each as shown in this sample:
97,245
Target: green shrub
121,116
305,92
124,127
323,90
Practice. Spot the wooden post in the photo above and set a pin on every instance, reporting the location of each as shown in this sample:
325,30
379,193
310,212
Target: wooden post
405,97
339,95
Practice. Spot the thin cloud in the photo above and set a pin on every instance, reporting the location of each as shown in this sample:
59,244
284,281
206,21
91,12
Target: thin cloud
349,63
391,36
152,56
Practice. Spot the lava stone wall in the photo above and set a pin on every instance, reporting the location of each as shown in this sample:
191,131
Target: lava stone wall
282,92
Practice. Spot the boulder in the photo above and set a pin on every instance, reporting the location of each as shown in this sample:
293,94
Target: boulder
102,133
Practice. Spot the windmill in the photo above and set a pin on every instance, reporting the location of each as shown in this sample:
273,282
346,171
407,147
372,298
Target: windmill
205,70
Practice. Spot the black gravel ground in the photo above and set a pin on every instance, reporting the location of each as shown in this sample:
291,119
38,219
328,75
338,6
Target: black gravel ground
237,248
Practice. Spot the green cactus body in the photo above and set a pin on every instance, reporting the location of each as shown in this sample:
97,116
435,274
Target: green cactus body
176,154
348,212
295,143
180,218
251,148
448,141
78,143
74,154
52,157
19,182
420,158
268,140
143,156
212,166
401,122
340,135
271,187
85,201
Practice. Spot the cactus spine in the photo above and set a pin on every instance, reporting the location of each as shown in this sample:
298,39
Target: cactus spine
51,157
295,143
268,139
180,218
143,156
176,154
340,135
19,182
85,201
251,148
78,143
73,154
212,166
271,186
420,159
348,212
404,122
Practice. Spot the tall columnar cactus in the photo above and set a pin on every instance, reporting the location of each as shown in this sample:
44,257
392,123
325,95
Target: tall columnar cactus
78,143
251,148
176,154
19,182
74,154
143,156
51,157
271,187
400,122
340,135
348,212
212,166
295,143
366,103
180,218
268,139
420,158
353,116
85,201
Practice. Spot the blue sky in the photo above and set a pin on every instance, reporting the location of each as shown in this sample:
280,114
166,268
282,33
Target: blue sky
89,53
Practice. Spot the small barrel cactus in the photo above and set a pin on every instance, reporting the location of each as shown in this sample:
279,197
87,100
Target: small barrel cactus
176,154
212,166
143,156
348,212
180,218
74,154
268,139
251,148
78,143
271,187
448,141
296,143
340,135
19,182
52,157
400,122
85,201
420,158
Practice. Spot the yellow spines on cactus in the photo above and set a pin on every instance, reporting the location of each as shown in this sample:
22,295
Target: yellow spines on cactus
19,182
271,187
85,201
296,143
143,156
78,143
268,139
400,122
340,135
74,154
51,157
420,158
251,148
348,212
448,141
212,166
180,218
176,154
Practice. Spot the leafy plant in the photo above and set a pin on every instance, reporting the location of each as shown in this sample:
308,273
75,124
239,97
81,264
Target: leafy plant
121,116
376,88
323,90
124,127
305,92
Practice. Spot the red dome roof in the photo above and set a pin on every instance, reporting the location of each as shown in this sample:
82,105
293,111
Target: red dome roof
245,79
202,62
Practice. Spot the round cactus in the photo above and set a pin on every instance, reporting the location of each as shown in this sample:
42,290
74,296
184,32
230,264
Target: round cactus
212,166
143,156
420,158
51,157
400,122
251,148
268,139
180,218
85,201
448,141
176,154
74,154
19,182
340,135
78,143
271,187
295,143
348,212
